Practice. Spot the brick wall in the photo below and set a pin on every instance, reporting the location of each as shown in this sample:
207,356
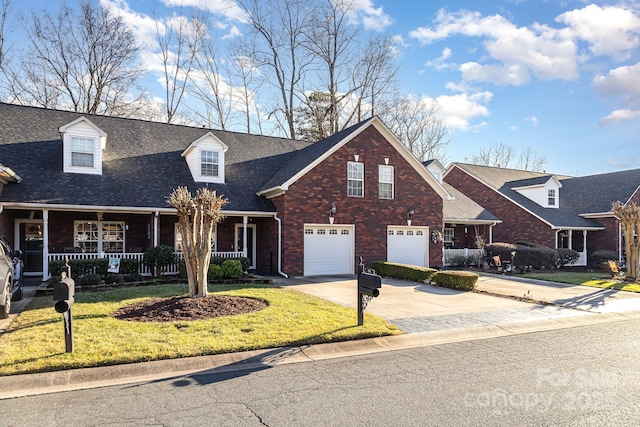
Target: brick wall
517,224
310,198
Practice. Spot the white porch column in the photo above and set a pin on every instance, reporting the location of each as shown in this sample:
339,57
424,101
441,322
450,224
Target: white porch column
156,230
491,233
245,221
45,244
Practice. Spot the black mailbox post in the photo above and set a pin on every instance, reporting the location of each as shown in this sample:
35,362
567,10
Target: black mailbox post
369,285
63,293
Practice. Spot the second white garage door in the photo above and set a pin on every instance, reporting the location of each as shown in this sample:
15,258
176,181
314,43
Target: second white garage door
408,245
328,249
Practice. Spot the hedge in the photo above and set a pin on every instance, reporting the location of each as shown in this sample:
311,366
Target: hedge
98,266
402,271
459,280
526,254
229,269
601,256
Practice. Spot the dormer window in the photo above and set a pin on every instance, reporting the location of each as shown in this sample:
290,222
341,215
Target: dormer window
82,145
209,163
551,197
82,152
206,158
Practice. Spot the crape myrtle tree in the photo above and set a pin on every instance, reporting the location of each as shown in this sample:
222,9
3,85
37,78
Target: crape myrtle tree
196,217
629,217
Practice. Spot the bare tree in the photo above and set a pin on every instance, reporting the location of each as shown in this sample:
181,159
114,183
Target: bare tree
196,217
248,81
178,46
629,217
209,81
415,123
503,155
279,28
350,70
4,11
86,62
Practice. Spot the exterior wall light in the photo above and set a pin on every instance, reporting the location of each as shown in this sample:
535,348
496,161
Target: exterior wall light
410,216
332,212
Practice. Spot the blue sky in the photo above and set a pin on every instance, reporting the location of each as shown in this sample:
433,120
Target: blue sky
561,77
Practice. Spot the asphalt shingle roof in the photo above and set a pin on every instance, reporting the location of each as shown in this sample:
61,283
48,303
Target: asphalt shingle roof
142,162
578,195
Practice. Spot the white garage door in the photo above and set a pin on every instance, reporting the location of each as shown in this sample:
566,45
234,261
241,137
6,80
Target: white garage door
328,249
408,245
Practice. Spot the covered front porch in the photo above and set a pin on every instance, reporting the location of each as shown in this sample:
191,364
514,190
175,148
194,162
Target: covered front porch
463,241
46,235
576,240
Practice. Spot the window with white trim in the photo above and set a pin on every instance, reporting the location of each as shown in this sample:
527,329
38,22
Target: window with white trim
355,179
447,235
551,197
99,236
209,163
385,185
82,152
177,238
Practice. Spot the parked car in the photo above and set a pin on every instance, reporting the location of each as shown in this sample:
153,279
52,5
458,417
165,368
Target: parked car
11,278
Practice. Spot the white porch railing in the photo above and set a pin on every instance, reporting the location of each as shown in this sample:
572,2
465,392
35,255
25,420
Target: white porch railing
143,269
451,254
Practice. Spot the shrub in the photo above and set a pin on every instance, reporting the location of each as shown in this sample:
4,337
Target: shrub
128,266
116,278
214,272
463,261
566,256
231,269
459,280
90,279
244,261
159,257
402,271
133,277
611,267
599,256
526,254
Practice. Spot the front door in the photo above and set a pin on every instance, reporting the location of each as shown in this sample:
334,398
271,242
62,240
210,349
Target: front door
31,243
251,242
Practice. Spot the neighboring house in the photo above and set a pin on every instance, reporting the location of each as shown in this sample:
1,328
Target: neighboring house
94,186
466,224
552,210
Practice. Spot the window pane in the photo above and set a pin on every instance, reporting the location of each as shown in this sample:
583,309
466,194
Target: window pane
355,179
385,179
209,163
82,152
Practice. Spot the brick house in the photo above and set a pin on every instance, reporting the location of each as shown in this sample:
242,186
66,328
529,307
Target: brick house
552,210
93,186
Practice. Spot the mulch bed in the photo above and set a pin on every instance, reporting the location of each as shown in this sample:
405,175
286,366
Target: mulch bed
183,308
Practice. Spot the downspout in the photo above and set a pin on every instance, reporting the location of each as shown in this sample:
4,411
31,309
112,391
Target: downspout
280,272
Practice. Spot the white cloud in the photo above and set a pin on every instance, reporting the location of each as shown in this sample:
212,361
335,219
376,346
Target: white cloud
440,63
456,111
621,82
143,26
533,120
227,9
617,116
517,52
373,18
627,163
609,30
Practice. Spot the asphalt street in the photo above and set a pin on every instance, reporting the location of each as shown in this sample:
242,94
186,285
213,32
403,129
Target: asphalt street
577,376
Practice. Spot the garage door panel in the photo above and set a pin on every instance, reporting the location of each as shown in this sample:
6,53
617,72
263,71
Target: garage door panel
408,245
328,250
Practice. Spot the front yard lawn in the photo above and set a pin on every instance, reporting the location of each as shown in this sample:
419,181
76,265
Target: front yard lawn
35,340
596,280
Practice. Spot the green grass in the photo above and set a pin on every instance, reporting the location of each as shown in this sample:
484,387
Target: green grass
35,340
595,280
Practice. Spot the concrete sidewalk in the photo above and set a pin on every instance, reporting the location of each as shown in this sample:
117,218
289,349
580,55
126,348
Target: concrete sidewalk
430,315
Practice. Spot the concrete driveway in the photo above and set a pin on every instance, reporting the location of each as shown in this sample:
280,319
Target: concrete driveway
416,307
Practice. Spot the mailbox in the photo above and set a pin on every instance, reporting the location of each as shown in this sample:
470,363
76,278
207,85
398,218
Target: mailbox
63,292
369,284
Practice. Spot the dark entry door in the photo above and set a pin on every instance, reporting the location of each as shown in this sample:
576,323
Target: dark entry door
31,243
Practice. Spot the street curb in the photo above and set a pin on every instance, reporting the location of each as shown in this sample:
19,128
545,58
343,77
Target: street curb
163,370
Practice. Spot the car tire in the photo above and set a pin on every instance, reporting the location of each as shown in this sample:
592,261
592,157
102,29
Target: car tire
6,308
